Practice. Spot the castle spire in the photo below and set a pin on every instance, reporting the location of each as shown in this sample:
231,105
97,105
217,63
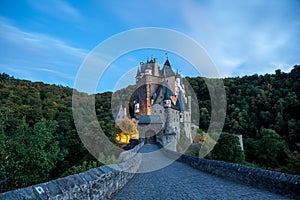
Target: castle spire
138,72
167,63
177,74
167,69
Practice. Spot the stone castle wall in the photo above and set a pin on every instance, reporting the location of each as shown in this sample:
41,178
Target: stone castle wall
172,121
97,183
186,125
285,184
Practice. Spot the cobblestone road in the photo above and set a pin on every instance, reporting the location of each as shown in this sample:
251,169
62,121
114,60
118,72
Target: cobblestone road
180,181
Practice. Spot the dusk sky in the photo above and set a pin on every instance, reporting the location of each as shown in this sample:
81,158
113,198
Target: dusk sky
48,40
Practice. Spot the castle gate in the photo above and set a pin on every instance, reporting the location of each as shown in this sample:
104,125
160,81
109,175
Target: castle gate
150,137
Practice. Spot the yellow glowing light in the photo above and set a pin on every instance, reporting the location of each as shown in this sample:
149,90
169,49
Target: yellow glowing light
122,138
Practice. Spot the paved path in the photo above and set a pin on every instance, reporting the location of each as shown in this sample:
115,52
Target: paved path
180,181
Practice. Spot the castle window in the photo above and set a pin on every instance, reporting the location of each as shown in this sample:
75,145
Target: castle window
160,111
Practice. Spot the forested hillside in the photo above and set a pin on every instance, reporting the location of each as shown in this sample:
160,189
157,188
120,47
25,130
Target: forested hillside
265,109
38,139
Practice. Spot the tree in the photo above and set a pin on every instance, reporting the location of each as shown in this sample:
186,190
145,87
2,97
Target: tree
204,119
128,130
293,133
228,149
32,153
272,149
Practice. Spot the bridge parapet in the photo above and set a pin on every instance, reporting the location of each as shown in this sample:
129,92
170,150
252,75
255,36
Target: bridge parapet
97,183
281,183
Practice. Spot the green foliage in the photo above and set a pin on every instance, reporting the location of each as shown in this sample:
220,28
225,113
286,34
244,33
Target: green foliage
38,138
272,149
228,149
256,103
31,153
86,165
205,118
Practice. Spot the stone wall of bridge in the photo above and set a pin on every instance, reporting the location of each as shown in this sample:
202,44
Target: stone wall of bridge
97,183
281,183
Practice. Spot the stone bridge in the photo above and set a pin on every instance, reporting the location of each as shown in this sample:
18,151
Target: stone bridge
180,179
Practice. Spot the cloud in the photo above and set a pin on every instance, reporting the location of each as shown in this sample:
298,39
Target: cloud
242,37
57,8
245,37
34,51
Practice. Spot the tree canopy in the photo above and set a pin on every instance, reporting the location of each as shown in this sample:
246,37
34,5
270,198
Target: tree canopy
264,109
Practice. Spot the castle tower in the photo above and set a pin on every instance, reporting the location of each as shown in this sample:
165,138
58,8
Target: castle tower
155,68
143,90
147,82
186,128
160,93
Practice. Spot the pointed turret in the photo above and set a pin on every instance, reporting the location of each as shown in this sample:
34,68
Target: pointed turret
138,74
120,114
177,74
167,70
167,63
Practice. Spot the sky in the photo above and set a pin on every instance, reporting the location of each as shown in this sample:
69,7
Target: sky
49,40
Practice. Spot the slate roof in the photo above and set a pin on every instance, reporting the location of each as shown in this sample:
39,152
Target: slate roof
167,71
161,90
150,119
180,104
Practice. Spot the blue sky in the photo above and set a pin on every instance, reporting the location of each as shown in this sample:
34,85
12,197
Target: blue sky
48,40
